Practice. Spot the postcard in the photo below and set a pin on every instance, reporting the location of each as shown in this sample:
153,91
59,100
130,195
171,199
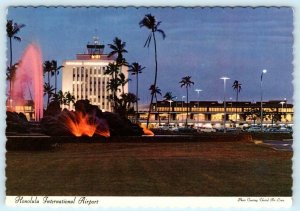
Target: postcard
149,106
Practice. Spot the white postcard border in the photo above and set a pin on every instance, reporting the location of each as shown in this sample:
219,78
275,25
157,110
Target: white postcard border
162,202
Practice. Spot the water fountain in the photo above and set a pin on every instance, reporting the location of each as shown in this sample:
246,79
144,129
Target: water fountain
28,81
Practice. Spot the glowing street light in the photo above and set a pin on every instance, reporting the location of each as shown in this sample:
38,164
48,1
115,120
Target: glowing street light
261,99
282,103
182,100
170,101
224,101
198,92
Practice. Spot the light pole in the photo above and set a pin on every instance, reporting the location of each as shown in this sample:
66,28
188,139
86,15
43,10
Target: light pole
285,100
224,101
282,103
182,107
170,101
198,92
261,99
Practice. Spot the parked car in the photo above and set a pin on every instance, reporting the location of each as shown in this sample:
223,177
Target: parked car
234,129
284,130
206,130
254,129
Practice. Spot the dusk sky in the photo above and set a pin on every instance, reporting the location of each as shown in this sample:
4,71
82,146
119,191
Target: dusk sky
204,43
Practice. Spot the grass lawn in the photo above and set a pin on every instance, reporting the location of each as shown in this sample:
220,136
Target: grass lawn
151,169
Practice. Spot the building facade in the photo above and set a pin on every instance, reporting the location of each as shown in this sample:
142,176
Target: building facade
85,79
212,112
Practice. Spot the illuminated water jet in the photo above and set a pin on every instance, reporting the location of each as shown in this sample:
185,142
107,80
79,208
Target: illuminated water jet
28,81
80,124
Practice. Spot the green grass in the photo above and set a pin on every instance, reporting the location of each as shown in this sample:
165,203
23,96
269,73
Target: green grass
151,169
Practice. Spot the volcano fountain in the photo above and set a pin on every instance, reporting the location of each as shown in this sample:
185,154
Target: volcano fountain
28,81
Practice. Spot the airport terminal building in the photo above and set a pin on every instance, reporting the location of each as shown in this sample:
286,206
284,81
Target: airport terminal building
212,112
85,79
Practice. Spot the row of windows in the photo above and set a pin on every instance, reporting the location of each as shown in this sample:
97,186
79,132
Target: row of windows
23,108
211,109
85,86
95,70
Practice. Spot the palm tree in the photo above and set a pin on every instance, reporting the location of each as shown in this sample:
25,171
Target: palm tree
118,48
48,90
113,86
186,82
59,97
123,81
135,69
47,68
69,98
155,91
113,70
11,72
128,99
169,98
55,72
237,87
150,22
12,29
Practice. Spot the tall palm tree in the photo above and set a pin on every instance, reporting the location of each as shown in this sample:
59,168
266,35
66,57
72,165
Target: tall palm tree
123,81
150,22
129,98
48,90
155,91
169,98
186,82
135,69
118,48
55,72
69,98
11,72
12,29
236,87
113,70
59,97
47,69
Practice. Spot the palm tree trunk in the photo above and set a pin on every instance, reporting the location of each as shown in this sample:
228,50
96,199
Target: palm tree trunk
157,110
155,77
55,78
169,114
187,106
137,97
237,97
48,99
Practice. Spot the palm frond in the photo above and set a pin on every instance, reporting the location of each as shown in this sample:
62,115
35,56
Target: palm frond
17,38
162,33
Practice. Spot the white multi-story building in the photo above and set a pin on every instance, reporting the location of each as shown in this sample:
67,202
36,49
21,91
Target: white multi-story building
84,77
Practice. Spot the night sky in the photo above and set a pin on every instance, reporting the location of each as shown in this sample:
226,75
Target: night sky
204,43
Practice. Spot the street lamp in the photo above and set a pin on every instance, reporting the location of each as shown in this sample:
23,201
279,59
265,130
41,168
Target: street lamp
182,107
224,101
170,101
282,103
182,100
261,99
285,105
198,91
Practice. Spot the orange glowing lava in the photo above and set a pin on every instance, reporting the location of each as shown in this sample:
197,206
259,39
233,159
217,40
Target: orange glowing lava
147,132
80,125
